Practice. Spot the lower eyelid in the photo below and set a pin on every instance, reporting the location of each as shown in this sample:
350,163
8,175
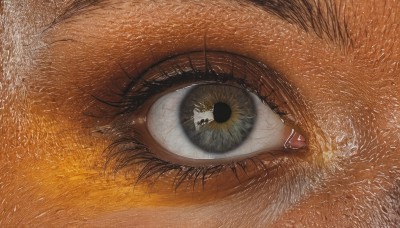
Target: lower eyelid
209,181
123,153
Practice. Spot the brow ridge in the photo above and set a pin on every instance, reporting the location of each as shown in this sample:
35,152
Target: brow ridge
323,18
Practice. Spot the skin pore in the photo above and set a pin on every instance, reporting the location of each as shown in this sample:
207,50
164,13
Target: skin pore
344,87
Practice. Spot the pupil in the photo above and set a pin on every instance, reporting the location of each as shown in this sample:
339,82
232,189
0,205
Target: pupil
222,112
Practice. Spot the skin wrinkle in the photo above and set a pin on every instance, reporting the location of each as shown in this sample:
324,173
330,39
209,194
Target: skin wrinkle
361,189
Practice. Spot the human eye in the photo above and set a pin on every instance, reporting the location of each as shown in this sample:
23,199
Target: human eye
107,76
201,114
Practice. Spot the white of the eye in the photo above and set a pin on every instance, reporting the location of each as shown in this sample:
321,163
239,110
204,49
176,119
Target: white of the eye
164,125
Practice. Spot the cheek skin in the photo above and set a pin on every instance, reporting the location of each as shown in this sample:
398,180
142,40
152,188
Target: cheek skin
72,173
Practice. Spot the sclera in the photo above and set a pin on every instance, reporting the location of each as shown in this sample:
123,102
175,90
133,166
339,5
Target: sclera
163,124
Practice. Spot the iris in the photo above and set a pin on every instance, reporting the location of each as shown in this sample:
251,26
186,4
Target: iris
217,118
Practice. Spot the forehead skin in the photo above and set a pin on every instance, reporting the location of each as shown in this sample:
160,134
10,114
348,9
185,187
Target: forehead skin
355,95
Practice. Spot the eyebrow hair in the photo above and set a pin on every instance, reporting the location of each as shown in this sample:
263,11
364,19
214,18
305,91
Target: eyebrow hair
321,17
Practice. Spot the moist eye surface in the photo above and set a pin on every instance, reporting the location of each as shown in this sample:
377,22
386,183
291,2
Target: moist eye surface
198,115
217,118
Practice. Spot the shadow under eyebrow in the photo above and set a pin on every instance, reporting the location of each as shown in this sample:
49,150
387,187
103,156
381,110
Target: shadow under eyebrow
323,18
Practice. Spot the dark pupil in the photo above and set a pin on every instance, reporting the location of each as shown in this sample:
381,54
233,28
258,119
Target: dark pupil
222,112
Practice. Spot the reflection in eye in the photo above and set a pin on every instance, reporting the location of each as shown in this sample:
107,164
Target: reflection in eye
200,115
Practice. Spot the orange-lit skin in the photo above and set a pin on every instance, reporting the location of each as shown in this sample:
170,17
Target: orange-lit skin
52,163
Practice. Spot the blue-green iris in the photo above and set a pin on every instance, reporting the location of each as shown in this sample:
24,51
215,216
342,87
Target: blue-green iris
217,118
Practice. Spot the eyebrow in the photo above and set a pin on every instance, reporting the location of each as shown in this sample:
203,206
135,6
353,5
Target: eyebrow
321,17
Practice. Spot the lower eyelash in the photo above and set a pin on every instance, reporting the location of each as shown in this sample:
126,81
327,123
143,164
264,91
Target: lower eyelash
130,155
128,152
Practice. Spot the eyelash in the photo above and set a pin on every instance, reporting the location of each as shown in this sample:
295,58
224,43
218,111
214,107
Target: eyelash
131,100
139,154
127,152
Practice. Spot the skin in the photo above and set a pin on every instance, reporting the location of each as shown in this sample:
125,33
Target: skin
52,165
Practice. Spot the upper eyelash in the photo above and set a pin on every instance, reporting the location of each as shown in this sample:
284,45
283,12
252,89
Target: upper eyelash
128,151
130,100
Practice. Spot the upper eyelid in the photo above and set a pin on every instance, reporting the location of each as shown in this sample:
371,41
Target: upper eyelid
139,80
323,18
115,151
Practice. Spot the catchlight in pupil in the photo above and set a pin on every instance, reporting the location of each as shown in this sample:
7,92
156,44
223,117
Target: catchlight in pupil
222,112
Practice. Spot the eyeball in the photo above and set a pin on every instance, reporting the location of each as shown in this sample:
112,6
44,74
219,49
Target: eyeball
215,121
